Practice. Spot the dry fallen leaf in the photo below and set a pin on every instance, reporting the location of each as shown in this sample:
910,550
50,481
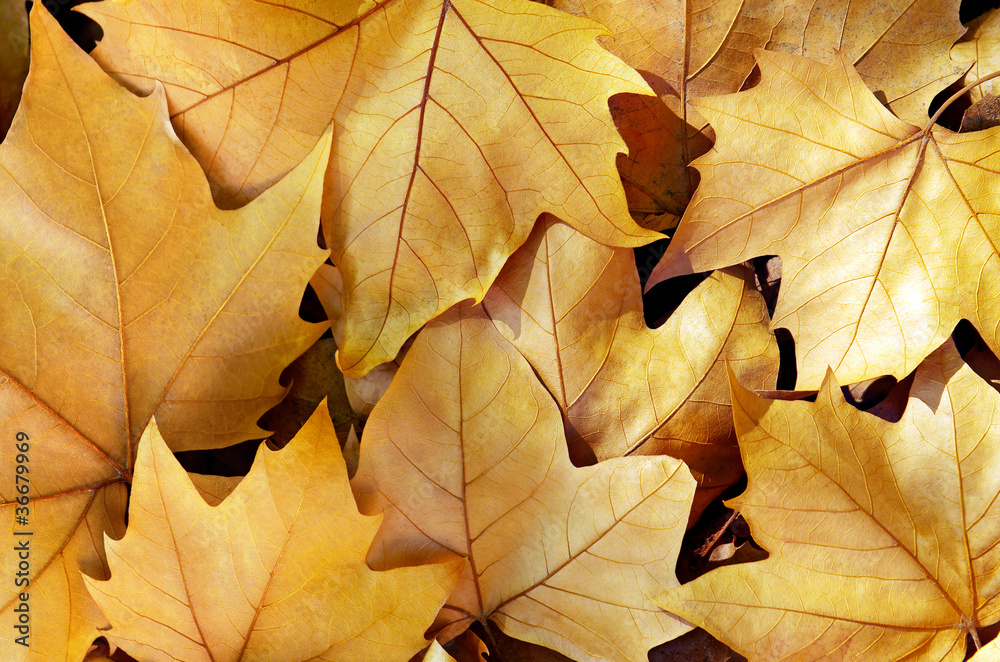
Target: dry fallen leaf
251,86
456,124
885,230
573,308
277,570
466,455
125,292
690,49
884,537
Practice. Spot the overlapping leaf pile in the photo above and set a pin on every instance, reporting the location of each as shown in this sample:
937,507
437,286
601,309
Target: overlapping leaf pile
463,182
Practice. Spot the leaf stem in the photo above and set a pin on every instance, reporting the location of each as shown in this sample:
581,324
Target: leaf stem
957,95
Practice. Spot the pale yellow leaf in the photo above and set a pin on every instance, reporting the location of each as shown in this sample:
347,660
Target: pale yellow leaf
573,308
466,454
124,292
455,125
884,538
275,571
886,231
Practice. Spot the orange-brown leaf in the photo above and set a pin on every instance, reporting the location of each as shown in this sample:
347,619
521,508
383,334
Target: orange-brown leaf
885,231
125,292
466,455
457,122
275,571
884,537
573,308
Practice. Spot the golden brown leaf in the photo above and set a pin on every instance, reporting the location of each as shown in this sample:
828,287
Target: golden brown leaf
690,49
885,231
573,308
466,455
457,122
125,292
251,86
14,56
884,537
275,571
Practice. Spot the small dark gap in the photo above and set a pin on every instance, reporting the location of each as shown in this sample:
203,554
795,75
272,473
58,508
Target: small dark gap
82,29
718,525
976,353
951,118
752,79
787,371
967,338
661,301
230,461
767,279
647,257
971,9
310,309
321,241
986,635
873,392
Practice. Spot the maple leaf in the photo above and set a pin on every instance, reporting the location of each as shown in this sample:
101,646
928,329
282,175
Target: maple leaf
466,455
573,308
125,292
14,55
884,229
457,122
884,537
277,569
697,48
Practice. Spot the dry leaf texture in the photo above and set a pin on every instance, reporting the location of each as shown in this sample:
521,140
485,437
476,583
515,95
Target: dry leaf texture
466,454
276,571
695,48
884,537
126,292
573,308
886,231
449,116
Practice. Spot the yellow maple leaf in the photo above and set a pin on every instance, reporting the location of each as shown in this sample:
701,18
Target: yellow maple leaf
884,537
275,571
124,292
573,308
695,48
885,230
456,123
466,455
